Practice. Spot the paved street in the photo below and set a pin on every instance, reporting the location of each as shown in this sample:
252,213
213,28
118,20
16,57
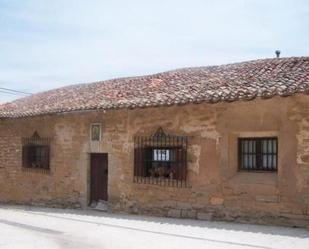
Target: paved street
25,228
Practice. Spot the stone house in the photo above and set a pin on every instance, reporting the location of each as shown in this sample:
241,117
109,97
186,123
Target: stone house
226,142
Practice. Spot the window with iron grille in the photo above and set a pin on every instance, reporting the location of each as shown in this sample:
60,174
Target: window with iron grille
160,159
35,152
258,154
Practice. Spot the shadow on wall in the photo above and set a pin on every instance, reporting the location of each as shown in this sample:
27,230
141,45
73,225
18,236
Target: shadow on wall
84,215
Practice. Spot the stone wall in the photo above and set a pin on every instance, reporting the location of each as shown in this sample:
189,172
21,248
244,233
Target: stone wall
216,190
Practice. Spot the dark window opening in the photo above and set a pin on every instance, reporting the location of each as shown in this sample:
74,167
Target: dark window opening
163,162
160,159
258,154
35,152
36,156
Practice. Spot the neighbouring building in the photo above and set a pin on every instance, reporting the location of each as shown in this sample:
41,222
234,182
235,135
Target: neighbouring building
226,142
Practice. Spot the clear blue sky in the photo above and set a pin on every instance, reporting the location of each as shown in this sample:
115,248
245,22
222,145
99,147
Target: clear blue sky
46,44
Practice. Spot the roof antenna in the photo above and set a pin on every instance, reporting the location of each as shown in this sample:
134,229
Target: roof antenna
278,53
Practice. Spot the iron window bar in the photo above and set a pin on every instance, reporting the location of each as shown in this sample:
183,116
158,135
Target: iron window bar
36,152
258,154
160,159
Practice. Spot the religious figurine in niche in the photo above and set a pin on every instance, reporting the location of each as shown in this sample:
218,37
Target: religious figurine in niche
95,132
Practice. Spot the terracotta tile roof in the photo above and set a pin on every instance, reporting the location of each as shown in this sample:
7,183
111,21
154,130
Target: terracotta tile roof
239,81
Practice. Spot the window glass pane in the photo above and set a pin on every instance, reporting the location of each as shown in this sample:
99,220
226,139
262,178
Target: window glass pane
172,154
264,161
270,146
269,156
245,146
258,153
264,146
167,155
254,161
248,154
270,164
274,162
155,155
161,155
250,161
245,161
38,154
275,146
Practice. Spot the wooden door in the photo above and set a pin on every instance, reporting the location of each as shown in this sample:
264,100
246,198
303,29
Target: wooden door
99,173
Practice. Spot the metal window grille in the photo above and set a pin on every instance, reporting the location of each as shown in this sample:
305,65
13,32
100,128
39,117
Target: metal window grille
35,152
258,154
160,159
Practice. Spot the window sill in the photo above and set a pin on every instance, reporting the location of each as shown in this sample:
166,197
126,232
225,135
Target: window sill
164,182
36,170
257,171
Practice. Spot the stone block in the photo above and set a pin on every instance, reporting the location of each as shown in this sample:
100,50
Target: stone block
167,204
305,158
306,199
216,200
267,198
188,214
184,205
204,216
174,213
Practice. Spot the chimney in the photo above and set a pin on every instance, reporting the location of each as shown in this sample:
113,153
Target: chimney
277,53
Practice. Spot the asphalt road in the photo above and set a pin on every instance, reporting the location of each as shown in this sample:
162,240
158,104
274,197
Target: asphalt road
29,228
